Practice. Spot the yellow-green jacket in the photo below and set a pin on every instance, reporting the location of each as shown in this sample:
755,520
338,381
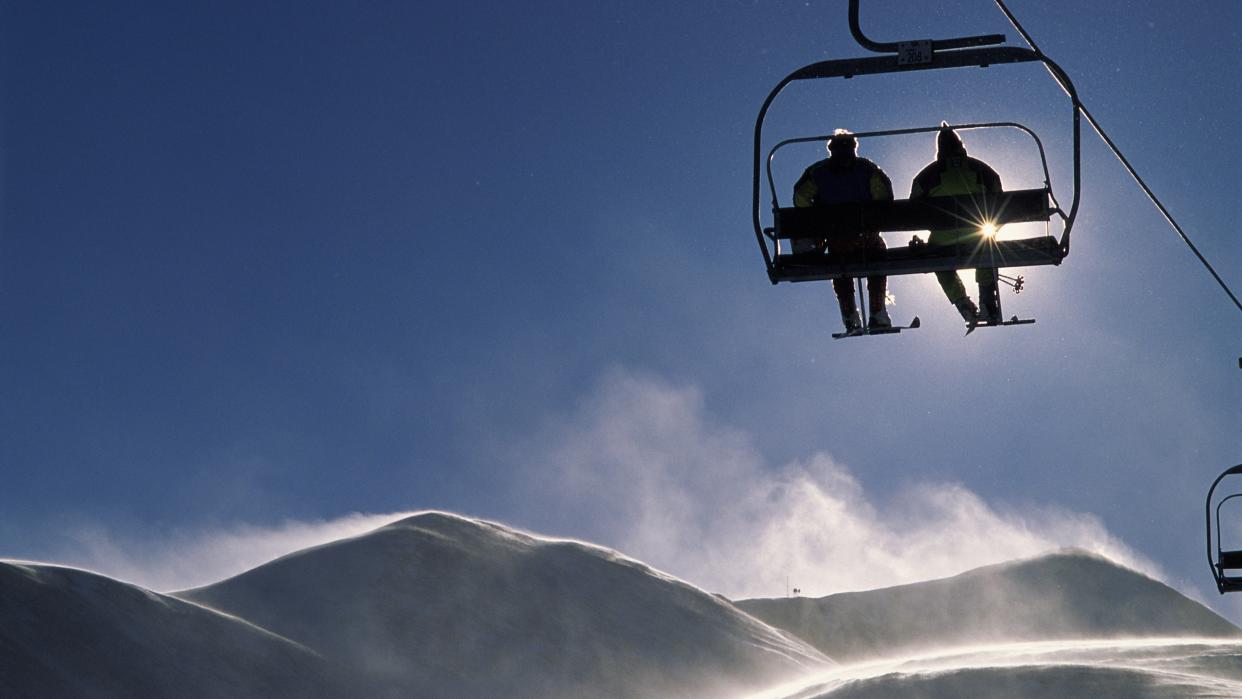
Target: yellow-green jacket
951,175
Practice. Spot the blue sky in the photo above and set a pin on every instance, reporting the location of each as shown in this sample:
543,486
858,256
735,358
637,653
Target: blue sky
267,261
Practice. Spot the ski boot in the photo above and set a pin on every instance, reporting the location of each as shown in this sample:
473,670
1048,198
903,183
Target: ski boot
853,322
989,302
879,319
989,313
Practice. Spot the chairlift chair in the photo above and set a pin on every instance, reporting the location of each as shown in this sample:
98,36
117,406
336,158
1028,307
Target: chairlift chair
1019,206
1221,560
1028,205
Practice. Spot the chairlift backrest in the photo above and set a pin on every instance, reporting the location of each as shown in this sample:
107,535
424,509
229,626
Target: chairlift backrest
1019,206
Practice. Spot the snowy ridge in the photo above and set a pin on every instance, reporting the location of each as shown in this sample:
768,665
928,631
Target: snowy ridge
438,605
441,605
1065,595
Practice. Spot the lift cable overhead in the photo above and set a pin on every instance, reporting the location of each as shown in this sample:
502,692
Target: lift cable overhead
1116,151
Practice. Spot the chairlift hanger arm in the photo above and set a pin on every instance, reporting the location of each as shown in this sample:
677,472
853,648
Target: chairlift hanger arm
936,44
870,65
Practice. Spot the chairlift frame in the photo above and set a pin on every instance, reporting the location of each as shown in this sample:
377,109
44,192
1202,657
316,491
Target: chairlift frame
1013,206
1222,560
1022,205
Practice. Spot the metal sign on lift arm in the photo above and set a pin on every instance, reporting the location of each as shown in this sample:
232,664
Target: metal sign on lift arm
911,53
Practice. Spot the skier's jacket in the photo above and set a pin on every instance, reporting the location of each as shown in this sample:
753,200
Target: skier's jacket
956,173
838,180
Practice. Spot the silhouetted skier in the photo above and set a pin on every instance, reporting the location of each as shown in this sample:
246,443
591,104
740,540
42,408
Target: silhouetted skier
843,178
953,172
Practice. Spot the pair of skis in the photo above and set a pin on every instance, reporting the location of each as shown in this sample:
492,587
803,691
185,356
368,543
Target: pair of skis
894,329
993,301
890,330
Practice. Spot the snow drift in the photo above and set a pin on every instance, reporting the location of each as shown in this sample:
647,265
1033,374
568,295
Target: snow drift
1065,595
1128,669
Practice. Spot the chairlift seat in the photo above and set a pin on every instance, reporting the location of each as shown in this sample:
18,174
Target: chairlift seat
805,267
1227,583
818,223
1229,560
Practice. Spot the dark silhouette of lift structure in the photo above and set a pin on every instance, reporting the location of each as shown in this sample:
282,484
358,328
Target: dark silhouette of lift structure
1221,559
979,210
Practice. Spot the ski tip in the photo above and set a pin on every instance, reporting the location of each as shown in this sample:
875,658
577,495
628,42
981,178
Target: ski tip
915,323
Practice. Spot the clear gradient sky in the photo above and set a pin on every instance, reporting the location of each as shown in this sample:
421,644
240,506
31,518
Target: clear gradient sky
264,261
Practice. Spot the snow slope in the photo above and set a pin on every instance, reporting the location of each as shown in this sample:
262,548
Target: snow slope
69,633
438,605
1131,669
1066,595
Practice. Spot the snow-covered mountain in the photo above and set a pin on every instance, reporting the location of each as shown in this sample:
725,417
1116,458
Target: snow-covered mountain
438,605
1066,595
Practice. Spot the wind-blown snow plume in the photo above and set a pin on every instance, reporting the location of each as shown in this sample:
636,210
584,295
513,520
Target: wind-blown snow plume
185,558
643,461
642,468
